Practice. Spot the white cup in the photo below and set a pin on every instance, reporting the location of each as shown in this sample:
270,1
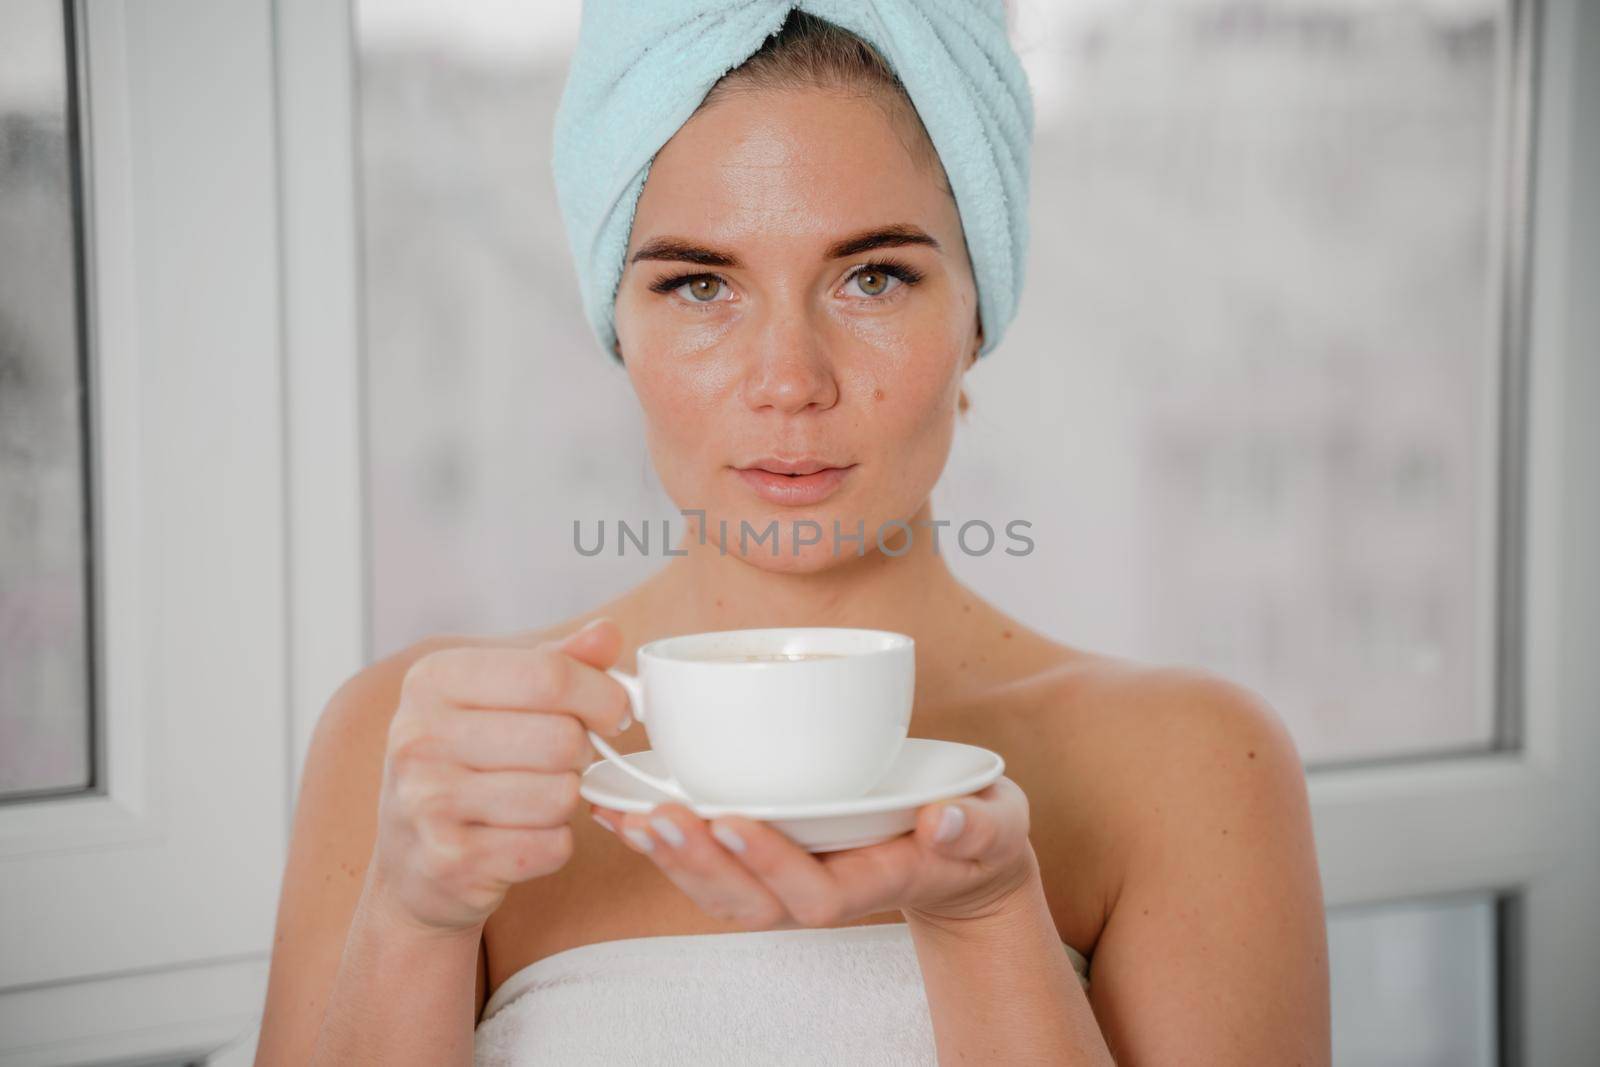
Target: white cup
771,731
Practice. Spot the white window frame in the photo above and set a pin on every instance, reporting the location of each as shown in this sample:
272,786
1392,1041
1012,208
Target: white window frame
136,920
1523,823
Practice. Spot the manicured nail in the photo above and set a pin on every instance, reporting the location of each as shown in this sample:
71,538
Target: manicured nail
951,822
730,840
668,830
602,822
640,839
627,721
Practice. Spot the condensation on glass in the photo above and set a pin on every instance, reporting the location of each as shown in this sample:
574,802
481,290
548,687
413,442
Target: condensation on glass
1250,404
1416,983
46,650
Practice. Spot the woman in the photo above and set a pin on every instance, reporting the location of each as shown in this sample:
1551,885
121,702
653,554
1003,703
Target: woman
1152,827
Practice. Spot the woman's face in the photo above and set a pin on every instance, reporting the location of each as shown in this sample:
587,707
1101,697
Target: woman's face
751,331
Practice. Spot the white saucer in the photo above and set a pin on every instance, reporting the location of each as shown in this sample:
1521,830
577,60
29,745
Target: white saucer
925,771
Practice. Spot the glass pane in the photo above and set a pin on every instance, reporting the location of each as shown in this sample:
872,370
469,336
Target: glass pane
45,719
1254,370
1415,984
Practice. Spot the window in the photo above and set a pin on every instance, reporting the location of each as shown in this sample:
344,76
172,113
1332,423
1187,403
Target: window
46,618
1416,983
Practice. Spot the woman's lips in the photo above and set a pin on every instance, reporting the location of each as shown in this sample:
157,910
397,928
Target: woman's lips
794,489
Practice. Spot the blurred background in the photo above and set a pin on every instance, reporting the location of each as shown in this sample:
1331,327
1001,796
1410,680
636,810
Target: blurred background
1272,340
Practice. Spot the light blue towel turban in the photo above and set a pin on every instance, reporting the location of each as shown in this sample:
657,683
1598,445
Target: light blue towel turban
642,67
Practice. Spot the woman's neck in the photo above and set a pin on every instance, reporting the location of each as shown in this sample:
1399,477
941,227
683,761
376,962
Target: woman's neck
710,587
965,646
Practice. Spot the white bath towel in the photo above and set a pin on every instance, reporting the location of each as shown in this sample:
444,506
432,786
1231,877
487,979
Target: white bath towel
845,995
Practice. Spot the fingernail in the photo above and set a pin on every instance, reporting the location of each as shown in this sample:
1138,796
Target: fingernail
730,840
640,839
627,721
602,822
668,830
951,822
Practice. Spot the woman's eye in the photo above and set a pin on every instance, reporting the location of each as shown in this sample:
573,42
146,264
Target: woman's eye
703,288
873,281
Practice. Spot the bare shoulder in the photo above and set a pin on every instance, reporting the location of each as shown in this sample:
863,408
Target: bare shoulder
1133,753
1186,758
1171,730
1100,714
1191,795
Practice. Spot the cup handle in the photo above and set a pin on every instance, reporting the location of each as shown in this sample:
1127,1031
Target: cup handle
635,690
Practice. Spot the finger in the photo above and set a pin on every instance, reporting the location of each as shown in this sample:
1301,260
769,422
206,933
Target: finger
489,740
514,798
989,822
992,823
680,844
806,888
515,854
543,678
597,642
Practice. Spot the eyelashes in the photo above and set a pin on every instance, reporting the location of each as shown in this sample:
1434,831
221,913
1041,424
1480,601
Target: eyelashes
905,272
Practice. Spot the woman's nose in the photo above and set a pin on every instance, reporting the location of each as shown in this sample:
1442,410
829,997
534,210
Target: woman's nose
790,369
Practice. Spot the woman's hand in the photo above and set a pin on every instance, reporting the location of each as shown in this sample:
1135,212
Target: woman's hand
966,858
481,773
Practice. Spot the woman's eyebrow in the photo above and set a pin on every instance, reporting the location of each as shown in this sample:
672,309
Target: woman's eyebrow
884,237
682,250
